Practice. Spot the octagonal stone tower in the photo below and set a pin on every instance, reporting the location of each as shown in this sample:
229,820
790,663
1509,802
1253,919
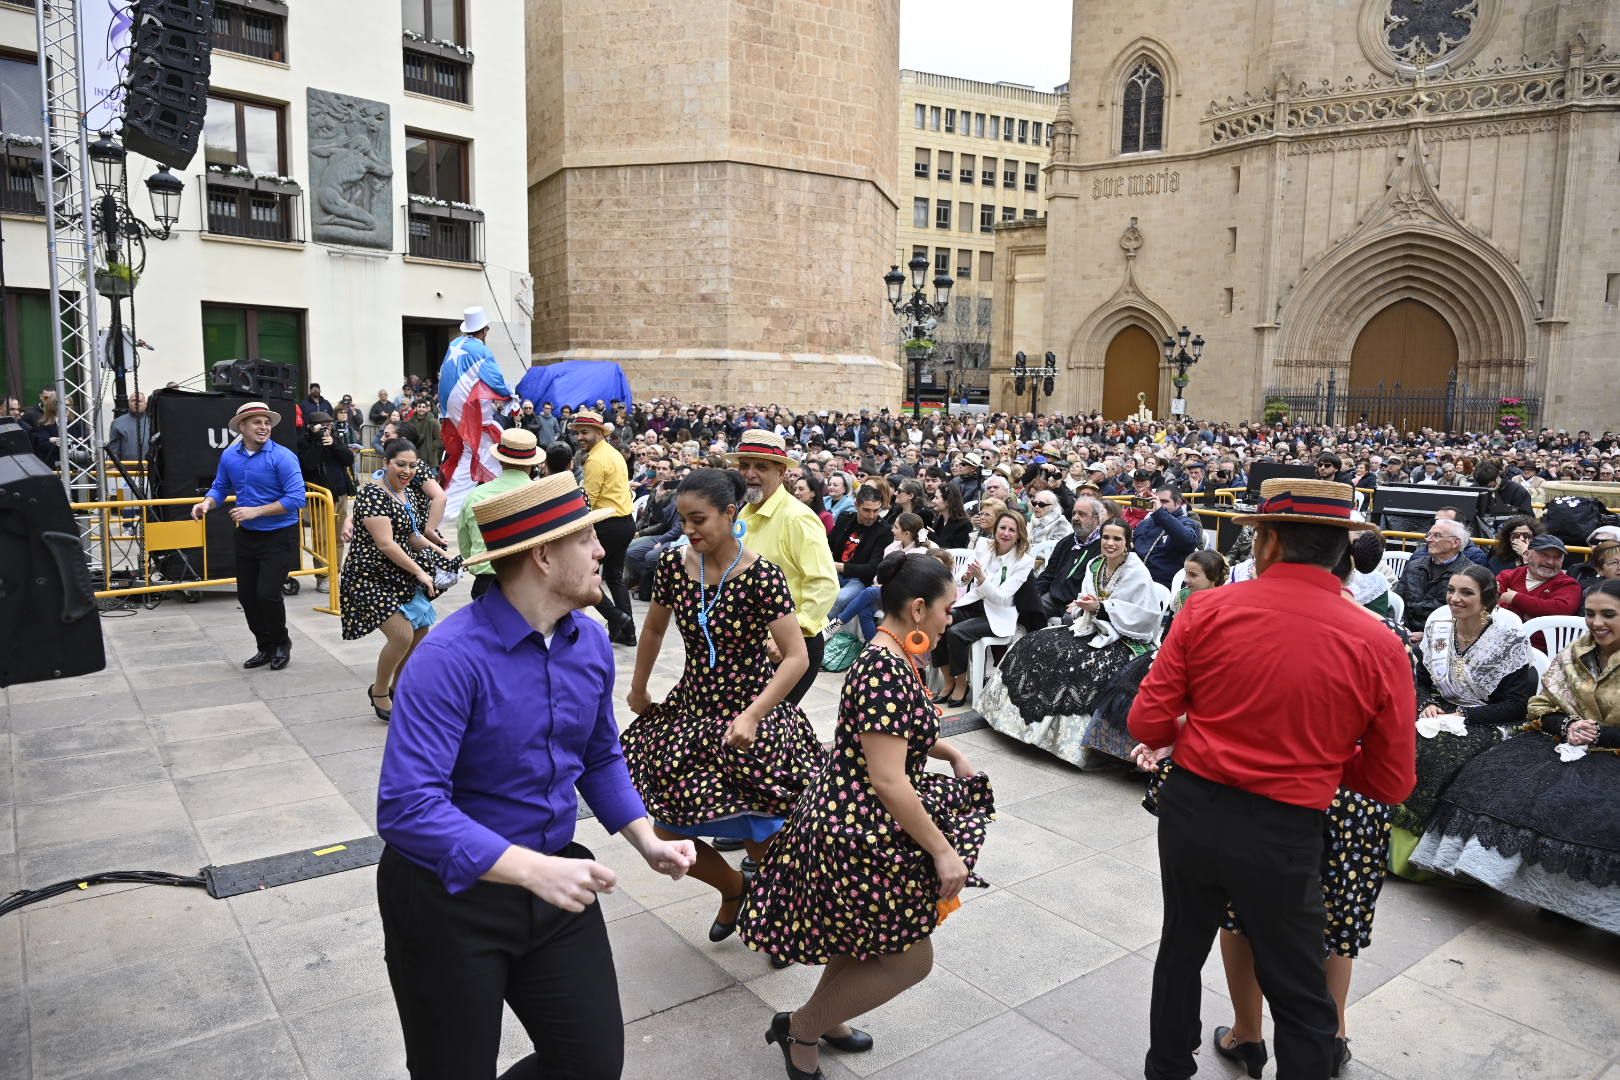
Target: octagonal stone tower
711,194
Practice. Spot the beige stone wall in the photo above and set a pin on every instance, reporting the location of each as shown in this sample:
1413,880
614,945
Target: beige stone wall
716,177
1314,228
796,381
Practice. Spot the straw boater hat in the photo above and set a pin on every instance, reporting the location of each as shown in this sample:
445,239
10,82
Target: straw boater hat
518,447
252,408
588,418
548,509
1305,502
759,445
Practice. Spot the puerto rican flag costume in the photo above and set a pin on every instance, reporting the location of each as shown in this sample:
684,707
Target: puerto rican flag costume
471,386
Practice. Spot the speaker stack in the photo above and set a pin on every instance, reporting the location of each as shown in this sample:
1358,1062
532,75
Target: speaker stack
49,625
189,434
169,66
258,379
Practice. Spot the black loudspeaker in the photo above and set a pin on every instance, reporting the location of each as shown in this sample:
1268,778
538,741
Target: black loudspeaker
13,438
259,379
169,65
189,433
49,625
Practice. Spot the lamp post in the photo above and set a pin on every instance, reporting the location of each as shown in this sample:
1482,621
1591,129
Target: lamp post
1038,378
1176,352
918,316
118,228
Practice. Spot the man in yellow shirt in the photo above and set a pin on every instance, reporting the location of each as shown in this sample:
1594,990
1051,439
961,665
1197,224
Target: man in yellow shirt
789,534
518,453
607,486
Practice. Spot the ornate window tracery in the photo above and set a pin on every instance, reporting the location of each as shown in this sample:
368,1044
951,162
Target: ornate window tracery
1142,119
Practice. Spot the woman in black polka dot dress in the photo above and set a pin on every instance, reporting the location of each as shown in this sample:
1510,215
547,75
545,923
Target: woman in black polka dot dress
723,754
876,852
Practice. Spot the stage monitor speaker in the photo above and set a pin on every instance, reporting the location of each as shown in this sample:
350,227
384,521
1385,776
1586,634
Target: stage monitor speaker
259,379
170,61
189,433
49,625
14,437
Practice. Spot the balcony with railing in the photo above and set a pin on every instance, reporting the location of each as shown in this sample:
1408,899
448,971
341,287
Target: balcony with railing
437,69
254,208
446,232
256,28
17,195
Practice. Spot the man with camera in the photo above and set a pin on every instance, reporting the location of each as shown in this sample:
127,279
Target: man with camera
325,460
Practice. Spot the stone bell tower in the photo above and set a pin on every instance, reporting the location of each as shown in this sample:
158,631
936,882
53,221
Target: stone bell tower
711,194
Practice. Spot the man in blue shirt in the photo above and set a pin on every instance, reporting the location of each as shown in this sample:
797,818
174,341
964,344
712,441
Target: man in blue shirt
503,711
268,484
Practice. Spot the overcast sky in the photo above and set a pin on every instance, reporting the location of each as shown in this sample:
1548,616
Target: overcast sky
1022,41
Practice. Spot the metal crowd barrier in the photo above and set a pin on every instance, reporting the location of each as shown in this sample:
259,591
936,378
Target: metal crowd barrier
126,533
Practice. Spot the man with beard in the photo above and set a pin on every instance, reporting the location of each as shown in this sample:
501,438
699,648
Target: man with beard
484,894
791,535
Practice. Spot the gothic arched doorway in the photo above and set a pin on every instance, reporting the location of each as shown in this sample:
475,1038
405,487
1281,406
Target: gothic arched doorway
1408,344
1130,367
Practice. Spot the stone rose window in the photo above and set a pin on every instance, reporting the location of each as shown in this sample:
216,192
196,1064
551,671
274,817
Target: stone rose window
1408,37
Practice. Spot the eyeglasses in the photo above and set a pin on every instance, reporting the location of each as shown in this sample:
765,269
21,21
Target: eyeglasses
1045,505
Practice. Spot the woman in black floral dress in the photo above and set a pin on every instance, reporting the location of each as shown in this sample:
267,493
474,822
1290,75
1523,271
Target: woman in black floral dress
723,754
387,577
877,850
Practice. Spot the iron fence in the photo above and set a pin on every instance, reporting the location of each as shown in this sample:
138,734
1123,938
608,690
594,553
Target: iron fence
1453,407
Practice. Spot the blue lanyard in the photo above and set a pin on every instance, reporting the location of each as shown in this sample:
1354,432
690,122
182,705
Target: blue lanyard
706,605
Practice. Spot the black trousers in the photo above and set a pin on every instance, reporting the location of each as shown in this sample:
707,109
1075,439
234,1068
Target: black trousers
1220,844
968,624
263,561
481,584
816,646
615,535
452,961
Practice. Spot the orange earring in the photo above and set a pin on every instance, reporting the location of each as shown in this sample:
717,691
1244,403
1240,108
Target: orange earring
917,643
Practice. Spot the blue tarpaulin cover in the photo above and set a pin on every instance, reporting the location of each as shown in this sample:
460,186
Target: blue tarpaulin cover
571,382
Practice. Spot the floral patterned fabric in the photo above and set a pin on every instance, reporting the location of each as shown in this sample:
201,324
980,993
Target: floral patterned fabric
371,587
677,755
843,878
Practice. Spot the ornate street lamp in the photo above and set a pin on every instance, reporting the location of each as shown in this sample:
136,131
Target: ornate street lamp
1176,351
165,190
107,163
918,316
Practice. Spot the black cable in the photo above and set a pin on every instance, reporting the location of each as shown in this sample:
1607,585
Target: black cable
23,897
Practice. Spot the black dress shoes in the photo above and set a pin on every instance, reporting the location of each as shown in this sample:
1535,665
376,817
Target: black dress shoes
280,656
258,659
1251,1055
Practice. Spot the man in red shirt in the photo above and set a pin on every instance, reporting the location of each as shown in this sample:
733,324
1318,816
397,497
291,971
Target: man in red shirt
1540,586
1274,693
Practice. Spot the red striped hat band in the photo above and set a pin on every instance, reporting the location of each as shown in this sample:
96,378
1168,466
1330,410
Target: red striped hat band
535,520
761,448
1314,505
512,452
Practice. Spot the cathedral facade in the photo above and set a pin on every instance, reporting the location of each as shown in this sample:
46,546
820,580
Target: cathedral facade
1398,210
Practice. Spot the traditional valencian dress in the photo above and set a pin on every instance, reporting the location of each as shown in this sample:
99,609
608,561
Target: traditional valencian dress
691,781
1534,817
1046,690
843,878
1489,684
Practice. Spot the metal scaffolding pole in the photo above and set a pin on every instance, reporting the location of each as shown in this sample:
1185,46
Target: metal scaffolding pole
80,383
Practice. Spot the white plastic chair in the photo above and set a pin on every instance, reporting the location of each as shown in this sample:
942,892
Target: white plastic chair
1209,539
1178,581
1541,662
960,557
1396,561
1397,608
979,660
1559,631
1498,615
1164,595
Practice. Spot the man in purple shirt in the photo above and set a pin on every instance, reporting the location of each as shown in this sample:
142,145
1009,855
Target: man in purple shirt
502,712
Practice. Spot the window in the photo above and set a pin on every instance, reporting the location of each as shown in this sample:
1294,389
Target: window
20,114
438,168
919,117
964,266
964,217
1228,301
1009,213
25,330
987,264
1231,240
942,260
919,164
435,65
1237,179
942,214
978,125
933,117
1142,126
1007,129
995,127
968,163
250,31
1035,132
1611,291
249,135
1031,215
919,212
1032,174
435,20
946,161
1023,131
247,333
987,217
950,121
919,250
1009,174
984,301
989,174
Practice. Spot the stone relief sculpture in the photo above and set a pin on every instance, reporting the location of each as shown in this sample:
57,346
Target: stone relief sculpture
350,171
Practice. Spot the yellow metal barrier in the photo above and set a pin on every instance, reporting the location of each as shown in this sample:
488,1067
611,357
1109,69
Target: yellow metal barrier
118,528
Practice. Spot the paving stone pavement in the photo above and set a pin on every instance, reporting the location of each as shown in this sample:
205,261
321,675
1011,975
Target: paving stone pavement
174,758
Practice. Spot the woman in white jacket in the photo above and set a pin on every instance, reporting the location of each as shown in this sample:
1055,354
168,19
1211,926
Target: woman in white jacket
984,606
